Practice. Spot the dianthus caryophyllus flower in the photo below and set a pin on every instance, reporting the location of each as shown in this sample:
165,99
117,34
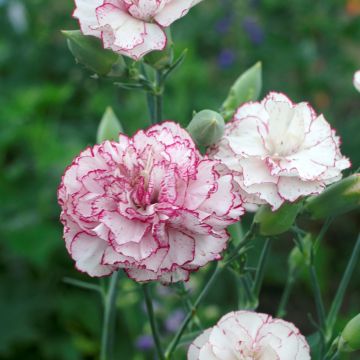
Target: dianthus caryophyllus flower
280,151
150,204
356,80
130,27
246,335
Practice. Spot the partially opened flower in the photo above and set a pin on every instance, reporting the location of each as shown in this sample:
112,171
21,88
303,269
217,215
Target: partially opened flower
356,80
280,151
246,335
130,27
150,204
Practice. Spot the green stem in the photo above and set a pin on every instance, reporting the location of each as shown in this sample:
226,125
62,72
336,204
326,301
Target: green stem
335,356
320,309
171,348
261,268
339,297
218,270
250,301
158,97
109,317
154,328
281,312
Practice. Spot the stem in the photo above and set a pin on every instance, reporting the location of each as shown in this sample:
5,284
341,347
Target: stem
154,96
285,296
171,348
320,309
335,356
250,302
218,270
154,328
338,300
261,268
158,97
323,230
109,317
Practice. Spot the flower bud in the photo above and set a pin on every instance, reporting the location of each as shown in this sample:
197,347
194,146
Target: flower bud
350,337
300,259
206,127
89,52
337,199
246,88
275,223
109,127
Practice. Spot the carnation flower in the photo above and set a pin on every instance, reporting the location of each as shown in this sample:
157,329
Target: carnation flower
150,204
245,335
356,80
280,151
130,27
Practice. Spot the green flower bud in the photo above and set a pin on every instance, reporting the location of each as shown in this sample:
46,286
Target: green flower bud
246,88
276,222
350,337
337,199
206,127
109,127
300,259
89,52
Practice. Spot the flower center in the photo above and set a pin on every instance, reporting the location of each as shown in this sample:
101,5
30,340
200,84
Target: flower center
286,130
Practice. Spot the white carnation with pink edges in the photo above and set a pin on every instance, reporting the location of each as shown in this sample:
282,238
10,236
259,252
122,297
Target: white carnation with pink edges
356,80
280,151
246,335
150,204
130,27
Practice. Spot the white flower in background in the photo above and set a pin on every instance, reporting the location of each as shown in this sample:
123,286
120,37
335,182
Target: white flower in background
356,80
130,27
246,335
280,151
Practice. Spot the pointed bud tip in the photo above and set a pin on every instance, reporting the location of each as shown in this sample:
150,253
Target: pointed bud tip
207,127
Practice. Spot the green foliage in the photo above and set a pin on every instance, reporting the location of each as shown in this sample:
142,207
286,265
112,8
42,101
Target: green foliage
246,88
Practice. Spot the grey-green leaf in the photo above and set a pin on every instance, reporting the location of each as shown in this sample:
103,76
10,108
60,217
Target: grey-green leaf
246,88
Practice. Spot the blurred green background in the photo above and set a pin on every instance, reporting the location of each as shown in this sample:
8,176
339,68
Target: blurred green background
49,111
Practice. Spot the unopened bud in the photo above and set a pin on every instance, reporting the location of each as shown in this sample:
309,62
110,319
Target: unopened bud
206,128
337,199
299,259
350,337
109,127
276,222
89,52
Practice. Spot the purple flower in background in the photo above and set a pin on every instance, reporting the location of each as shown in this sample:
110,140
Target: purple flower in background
223,25
144,343
254,30
173,322
226,58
